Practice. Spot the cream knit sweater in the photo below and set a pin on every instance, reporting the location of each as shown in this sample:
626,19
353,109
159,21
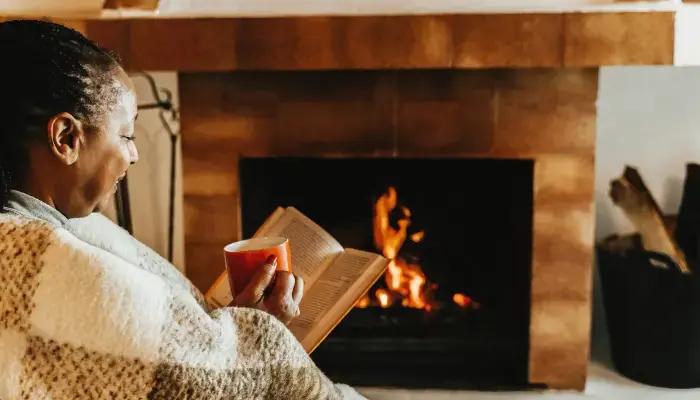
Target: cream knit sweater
88,312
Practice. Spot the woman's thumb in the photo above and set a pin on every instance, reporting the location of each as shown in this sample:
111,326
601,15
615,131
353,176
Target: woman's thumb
254,292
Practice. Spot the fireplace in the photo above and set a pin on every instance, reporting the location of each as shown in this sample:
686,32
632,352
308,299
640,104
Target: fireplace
505,156
333,80
454,307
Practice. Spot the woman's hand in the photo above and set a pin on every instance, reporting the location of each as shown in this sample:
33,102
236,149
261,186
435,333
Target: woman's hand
275,292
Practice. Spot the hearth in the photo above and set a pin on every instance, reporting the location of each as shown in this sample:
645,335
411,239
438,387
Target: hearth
453,310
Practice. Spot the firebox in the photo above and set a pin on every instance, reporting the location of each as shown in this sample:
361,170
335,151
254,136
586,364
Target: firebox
453,309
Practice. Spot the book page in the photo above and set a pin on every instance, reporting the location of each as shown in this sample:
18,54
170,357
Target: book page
335,293
312,248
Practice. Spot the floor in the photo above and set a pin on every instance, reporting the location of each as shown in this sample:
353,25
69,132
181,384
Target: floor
603,381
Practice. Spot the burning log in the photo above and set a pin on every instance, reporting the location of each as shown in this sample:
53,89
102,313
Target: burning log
688,223
631,194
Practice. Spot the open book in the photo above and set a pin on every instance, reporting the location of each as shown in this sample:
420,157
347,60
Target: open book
334,278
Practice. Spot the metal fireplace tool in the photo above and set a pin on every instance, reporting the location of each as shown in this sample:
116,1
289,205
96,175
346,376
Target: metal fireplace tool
163,102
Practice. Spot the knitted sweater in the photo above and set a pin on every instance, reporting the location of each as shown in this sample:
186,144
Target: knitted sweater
88,312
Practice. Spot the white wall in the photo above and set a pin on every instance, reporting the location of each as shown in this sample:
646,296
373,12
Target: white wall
648,117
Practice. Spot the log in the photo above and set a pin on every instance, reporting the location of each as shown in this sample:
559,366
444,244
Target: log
688,225
631,194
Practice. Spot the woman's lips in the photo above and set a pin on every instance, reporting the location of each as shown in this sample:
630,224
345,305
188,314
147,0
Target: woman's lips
116,184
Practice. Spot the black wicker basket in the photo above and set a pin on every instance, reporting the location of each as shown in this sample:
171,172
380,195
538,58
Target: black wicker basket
653,317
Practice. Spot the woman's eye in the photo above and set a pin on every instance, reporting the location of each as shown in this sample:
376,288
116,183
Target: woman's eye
129,138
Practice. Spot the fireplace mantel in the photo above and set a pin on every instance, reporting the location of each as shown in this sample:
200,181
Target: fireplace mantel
363,34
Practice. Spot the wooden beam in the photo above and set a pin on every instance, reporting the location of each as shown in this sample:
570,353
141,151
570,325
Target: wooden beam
466,41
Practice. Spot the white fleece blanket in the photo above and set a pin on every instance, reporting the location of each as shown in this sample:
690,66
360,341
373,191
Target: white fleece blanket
88,312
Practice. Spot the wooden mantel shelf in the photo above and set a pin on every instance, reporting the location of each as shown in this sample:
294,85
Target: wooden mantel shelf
361,34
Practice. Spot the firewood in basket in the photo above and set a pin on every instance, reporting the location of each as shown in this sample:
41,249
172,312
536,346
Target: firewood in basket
688,225
631,194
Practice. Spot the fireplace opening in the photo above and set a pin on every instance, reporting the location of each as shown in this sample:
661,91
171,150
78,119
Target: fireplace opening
453,310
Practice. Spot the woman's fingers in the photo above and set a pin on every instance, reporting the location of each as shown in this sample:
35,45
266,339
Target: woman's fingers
284,300
280,292
255,290
298,291
280,302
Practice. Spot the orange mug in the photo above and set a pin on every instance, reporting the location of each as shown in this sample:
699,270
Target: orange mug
245,257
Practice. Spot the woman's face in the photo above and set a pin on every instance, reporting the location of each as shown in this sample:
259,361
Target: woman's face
106,152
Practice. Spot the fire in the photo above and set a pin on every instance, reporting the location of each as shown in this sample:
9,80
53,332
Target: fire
417,237
384,298
461,300
406,282
363,302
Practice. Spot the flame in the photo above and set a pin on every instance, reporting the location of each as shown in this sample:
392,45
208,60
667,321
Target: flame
406,281
384,298
462,300
363,302
417,237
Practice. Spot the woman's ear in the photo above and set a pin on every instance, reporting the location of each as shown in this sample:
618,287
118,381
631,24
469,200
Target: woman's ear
64,133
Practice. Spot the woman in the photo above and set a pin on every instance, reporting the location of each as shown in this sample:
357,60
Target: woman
86,311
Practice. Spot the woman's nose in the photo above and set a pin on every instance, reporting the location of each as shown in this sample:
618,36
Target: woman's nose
134,154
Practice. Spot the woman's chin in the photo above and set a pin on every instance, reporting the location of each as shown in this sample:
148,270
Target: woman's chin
103,205
105,202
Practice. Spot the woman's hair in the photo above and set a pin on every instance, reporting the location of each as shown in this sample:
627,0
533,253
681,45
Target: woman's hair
47,69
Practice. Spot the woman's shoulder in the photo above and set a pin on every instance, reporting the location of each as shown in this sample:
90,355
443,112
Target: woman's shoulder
15,227
94,236
24,234
28,247
32,248
25,228
103,233
88,236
